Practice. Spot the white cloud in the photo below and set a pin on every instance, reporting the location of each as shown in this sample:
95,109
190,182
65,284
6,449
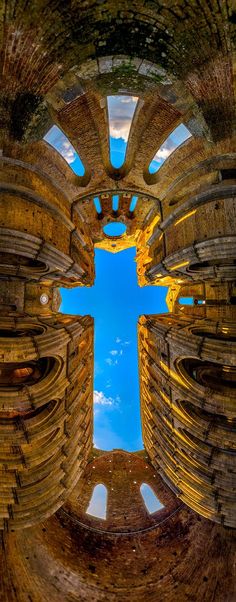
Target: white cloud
68,152
100,399
119,128
114,352
163,153
111,362
127,99
165,150
121,111
123,343
60,142
102,404
179,135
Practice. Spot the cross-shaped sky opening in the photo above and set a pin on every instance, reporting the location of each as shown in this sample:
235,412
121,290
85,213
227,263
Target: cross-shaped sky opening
116,302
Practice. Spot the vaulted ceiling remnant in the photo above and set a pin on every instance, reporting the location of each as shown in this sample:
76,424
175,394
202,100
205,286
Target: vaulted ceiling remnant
59,64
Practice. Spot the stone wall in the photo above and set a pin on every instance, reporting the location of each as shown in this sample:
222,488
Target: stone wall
59,62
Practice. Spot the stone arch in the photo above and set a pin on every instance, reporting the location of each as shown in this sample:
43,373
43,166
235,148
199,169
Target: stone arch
151,501
98,502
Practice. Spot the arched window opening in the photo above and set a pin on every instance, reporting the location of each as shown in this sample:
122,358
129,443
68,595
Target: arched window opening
63,146
115,202
228,174
22,262
177,137
219,335
205,265
209,374
14,373
97,204
120,114
133,203
150,499
34,331
98,504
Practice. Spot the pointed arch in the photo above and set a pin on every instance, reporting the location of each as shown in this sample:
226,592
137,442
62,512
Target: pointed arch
97,204
98,503
150,499
133,203
175,139
63,146
121,111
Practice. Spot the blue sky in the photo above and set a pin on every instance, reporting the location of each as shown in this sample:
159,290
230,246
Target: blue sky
121,109
177,137
98,502
116,301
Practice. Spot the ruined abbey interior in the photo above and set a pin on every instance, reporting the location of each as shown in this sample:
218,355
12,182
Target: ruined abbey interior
60,61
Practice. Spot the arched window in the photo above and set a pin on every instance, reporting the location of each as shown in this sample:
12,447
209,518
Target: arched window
150,499
16,373
120,114
97,204
115,202
177,137
62,145
133,203
98,504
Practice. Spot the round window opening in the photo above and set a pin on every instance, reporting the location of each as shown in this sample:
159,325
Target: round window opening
114,229
44,299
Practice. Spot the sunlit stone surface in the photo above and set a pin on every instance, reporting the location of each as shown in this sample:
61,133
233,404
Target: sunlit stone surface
60,64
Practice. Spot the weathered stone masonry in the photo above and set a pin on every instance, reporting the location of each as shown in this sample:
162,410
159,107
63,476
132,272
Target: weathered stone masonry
59,61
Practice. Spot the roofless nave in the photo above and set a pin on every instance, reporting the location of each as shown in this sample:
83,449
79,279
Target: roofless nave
59,63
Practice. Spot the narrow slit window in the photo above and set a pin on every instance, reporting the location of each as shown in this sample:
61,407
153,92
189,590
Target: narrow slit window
177,137
150,499
62,145
115,202
133,203
120,114
186,300
191,301
98,504
97,204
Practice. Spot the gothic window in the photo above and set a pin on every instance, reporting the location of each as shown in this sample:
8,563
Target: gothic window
133,203
177,137
115,202
150,499
63,146
98,503
121,110
97,204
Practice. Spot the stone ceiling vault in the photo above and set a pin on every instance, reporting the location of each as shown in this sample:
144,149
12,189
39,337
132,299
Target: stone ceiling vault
59,61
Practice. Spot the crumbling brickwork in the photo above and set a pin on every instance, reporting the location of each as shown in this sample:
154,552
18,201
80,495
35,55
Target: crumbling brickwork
59,62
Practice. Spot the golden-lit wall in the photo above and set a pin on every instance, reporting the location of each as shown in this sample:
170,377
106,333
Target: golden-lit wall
187,378
46,390
59,62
